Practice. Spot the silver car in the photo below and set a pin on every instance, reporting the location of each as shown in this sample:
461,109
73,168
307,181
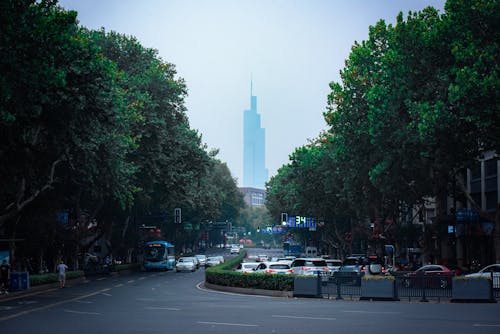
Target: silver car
310,266
202,259
185,264
274,268
491,271
247,267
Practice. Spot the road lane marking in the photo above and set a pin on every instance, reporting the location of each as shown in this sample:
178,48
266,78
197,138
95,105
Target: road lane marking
300,317
119,285
141,278
372,312
106,294
485,325
225,324
81,312
46,307
101,279
84,302
131,281
163,308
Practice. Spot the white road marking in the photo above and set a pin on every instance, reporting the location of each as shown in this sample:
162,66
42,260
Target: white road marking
84,302
141,278
485,325
27,302
106,294
101,279
81,312
6,308
163,308
225,324
52,305
300,317
372,312
131,281
119,285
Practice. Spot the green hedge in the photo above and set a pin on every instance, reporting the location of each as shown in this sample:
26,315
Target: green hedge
53,277
224,274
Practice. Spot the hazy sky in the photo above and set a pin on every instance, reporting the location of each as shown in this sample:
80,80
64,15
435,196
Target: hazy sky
292,48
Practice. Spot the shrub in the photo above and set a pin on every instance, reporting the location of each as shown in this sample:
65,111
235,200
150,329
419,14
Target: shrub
224,274
53,277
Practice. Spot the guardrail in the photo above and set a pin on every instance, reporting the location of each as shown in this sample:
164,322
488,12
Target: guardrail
423,288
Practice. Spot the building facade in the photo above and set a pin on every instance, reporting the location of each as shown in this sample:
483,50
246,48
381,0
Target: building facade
254,139
253,196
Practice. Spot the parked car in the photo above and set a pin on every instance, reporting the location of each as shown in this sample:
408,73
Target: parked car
235,250
247,267
493,270
202,258
274,268
429,276
212,261
185,264
221,258
309,266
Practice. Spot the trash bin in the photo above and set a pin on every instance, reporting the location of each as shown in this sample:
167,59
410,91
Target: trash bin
19,280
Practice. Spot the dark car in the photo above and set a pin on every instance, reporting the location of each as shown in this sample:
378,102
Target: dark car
430,276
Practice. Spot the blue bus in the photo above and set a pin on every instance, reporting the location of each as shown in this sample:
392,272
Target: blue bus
159,255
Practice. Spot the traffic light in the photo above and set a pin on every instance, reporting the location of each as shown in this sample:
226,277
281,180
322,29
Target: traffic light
177,215
284,218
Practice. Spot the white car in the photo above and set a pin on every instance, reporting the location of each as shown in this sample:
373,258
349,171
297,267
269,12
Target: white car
310,266
274,268
185,264
247,267
212,261
235,250
493,270
202,259
333,264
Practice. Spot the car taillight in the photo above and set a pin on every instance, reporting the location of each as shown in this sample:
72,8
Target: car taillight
270,271
383,269
363,269
326,269
290,270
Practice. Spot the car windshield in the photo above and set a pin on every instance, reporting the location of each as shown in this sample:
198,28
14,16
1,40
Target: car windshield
351,262
154,252
316,263
334,263
279,266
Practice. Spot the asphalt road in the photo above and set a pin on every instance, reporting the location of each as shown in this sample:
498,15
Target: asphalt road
169,302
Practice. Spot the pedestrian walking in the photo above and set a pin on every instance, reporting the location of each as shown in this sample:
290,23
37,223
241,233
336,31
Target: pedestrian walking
4,277
61,270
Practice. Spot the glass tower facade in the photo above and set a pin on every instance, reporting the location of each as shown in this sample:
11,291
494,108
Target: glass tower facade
254,140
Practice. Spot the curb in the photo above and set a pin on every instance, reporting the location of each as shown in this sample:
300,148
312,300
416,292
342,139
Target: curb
248,291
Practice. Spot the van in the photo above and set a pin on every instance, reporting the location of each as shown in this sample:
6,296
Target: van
311,252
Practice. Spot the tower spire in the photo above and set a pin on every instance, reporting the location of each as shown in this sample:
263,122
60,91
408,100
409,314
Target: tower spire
251,84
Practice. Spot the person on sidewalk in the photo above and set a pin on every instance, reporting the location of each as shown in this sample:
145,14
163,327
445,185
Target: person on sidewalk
4,277
61,270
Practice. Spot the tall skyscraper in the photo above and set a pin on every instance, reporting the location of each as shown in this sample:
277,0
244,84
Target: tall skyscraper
254,151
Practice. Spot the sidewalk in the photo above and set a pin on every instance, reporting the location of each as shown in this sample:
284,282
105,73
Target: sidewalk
37,289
